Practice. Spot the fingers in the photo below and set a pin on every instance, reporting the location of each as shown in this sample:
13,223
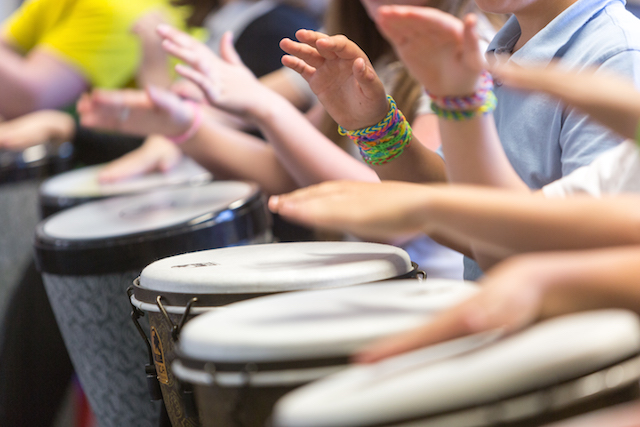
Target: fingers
228,51
471,44
457,322
302,51
299,66
204,82
370,84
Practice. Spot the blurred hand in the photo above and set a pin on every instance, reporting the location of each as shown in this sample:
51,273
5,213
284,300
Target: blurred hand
36,128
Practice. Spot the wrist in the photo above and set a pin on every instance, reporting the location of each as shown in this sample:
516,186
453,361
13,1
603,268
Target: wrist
480,102
194,126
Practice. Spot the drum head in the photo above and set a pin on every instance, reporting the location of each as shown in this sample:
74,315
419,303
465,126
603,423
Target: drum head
394,392
145,227
83,183
276,268
36,162
315,324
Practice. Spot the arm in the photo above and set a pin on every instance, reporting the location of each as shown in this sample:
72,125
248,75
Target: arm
442,53
37,81
611,100
342,77
526,288
36,128
497,222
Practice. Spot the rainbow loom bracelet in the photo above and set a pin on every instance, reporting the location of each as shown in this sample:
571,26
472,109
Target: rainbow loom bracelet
483,101
385,141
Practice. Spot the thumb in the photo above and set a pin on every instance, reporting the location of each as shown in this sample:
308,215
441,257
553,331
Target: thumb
228,51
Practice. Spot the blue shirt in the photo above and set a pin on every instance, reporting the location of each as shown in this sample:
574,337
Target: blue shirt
542,138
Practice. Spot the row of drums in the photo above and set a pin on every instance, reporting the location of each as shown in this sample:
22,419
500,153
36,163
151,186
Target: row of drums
177,292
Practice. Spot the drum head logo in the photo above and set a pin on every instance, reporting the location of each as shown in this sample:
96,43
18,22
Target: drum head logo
196,265
158,357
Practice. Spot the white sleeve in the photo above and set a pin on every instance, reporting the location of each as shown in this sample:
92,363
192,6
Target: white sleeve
615,171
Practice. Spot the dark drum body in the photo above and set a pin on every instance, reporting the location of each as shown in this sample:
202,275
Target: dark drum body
90,254
21,173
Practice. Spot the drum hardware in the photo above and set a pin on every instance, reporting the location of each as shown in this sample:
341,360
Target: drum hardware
150,368
175,329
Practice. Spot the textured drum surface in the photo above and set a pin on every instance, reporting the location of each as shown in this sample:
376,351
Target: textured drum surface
18,220
94,317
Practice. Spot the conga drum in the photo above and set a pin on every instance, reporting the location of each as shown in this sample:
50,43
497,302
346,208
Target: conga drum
81,185
242,359
90,254
552,370
175,289
21,173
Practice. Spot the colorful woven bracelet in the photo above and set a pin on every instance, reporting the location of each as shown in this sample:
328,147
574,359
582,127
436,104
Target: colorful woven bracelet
483,101
385,141
195,125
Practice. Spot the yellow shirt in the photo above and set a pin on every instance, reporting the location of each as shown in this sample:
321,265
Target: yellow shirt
94,36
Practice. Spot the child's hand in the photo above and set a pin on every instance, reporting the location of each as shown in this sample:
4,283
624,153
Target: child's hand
340,74
36,128
136,112
225,81
440,50
156,154
372,210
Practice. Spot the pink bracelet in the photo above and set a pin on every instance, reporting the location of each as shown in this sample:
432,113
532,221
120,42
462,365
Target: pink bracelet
195,125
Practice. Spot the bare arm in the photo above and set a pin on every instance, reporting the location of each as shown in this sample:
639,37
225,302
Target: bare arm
612,100
499,223
527,288
37,81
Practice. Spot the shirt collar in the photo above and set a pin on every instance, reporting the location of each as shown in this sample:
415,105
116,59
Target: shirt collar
546,44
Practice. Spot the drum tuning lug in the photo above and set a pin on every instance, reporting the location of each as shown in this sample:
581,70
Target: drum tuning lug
172,327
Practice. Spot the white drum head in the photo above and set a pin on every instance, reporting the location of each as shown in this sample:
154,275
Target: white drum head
83,183
316,324
130,215
548,353
276,267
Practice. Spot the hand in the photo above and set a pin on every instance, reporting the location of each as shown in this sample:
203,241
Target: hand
341,75
375,211
36,128
136,112
225,81
156,154
440,50
511,298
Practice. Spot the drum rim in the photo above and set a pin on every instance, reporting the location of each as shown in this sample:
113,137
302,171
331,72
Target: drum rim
68,257
52,163
210,299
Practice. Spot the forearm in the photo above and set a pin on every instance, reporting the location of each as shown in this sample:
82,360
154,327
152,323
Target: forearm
17,97
308,155
474,154
233,154
500,224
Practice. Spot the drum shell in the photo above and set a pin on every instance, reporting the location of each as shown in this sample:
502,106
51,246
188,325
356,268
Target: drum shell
86,282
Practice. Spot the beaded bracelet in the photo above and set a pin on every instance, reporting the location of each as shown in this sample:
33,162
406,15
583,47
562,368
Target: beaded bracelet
385,141
193,128
483,101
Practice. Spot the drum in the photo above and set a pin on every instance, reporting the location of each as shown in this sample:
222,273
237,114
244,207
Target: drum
240,360
90,254
175,289
552,370
20,176
81,185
